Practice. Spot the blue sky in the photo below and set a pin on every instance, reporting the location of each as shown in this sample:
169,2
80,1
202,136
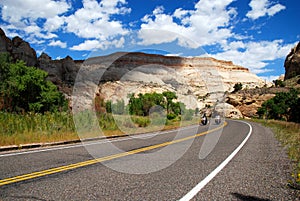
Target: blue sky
257,34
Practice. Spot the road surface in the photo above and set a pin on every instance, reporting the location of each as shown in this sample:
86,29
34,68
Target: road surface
258,170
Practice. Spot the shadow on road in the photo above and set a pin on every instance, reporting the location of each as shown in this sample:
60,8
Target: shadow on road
247,197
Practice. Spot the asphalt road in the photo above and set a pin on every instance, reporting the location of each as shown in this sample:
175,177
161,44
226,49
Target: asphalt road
164,166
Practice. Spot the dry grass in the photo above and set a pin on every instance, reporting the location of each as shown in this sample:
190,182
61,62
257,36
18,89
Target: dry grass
288,134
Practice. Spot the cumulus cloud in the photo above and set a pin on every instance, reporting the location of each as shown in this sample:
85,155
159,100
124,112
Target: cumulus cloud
254,55
58,43
93,20
22,14
261,8
208,23
39,20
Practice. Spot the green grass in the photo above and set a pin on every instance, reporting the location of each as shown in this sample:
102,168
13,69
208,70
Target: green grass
288,134
16,129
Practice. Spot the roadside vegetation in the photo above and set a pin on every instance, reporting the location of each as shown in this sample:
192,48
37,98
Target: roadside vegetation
282,114
284,106
288,134
32,110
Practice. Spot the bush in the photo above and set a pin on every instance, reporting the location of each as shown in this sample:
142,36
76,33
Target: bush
284,106
237,87
171,116
24,89
141,121
279,83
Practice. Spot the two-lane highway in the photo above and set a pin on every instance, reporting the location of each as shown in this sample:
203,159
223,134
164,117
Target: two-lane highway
164,166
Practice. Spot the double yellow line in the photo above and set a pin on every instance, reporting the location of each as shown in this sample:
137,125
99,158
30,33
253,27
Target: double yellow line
98,160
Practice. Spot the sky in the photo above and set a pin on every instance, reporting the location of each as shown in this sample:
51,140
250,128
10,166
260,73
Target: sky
256,34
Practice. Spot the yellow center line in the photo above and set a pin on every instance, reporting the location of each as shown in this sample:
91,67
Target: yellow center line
98,160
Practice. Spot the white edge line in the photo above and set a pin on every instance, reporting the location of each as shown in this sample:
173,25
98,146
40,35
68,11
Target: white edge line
209,177
93,143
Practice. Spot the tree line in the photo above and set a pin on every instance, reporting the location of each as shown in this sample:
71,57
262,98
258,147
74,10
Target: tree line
144,104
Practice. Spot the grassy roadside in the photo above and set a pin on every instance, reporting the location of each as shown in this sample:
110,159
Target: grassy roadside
16,129
288,134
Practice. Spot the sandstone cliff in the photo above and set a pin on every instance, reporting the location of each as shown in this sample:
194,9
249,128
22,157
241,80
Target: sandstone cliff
198,82
292,63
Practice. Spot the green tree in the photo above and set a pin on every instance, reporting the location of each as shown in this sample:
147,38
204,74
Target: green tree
24,88
169,97
279,83
284,106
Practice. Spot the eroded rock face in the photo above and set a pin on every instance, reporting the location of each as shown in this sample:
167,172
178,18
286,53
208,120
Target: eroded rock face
196,81
292,63
21,50
5,42
61,71
248,103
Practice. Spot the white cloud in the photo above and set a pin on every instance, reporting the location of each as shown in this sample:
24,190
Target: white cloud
94,21
22,13
270,78
207,24
58,43
254,55
54,23
38,20
97,44
261,8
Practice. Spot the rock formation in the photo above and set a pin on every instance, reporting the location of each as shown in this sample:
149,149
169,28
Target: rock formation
61,72
197,81
18,49
292,63
21,50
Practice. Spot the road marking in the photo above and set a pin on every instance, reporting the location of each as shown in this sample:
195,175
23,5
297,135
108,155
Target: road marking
209,177
99,160
94,143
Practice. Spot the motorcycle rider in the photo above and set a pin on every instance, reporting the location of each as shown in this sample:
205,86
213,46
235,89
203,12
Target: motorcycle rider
204,119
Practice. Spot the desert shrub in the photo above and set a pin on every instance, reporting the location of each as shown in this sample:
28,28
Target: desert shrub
237,87
279,83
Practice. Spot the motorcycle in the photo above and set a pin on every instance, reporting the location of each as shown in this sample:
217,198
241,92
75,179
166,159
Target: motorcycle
204,120
218,119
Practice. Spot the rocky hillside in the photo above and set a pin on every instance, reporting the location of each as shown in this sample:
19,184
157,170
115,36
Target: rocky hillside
292,63
61,72
197,81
